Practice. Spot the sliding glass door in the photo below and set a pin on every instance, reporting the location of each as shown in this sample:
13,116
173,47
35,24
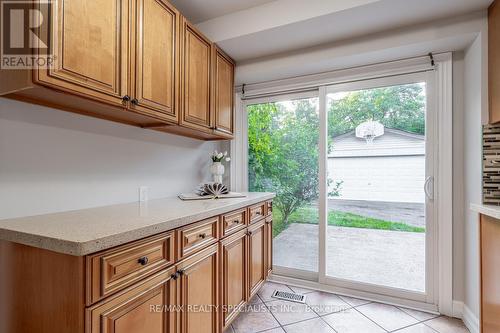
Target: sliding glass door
379,198
283,155
353,169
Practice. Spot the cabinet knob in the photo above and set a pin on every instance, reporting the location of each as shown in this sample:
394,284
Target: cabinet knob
179,273
143,261
126,98
174,276
202,236
249,233
135,101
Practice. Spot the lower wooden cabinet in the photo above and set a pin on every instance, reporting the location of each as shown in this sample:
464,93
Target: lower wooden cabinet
269,245
143,309
198,287
141,287
490,274
256,256
233,275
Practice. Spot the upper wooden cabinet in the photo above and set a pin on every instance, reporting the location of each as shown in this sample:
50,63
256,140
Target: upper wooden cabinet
155,60
494,61
90,46
223,93
196,99
138,62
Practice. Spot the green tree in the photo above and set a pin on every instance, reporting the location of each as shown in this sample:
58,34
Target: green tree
399,107
283,153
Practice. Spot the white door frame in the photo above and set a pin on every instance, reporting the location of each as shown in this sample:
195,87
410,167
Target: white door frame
430,139
443,287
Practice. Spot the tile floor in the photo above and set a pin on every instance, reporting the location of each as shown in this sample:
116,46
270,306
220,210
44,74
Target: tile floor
330,313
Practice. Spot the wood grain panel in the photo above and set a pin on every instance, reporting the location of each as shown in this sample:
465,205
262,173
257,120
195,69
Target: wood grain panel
199,288
90,44
224,93
156,66
256,257
256,212
233,276
195,237
269,245
41,291
232,222
112,270
141,309
196,79
490,274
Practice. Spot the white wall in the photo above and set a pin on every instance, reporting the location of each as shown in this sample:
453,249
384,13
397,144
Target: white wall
52,161
475,105
458,177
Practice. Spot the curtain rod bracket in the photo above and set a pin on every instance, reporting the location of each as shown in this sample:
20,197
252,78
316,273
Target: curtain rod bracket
431,56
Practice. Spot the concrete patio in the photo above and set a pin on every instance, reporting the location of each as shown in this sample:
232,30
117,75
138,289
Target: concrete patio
389,258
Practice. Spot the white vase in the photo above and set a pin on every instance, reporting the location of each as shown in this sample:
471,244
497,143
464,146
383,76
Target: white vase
217,171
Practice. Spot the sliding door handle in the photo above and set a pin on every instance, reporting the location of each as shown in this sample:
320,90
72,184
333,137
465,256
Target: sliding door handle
429,187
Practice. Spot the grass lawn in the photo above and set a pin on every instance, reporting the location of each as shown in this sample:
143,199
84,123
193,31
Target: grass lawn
310,215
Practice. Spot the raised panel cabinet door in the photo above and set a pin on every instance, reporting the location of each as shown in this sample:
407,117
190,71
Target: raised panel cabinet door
156,58
269,245
196,96
199,286
256,257
233,275
224,93
143,309
89,40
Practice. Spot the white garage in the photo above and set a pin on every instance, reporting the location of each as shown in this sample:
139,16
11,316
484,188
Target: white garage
389,167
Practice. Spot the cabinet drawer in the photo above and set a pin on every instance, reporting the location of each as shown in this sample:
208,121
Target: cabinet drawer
256,212
269,208
196,236
233,222
115,269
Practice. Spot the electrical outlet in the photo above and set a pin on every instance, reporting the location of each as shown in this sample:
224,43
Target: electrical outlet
143,193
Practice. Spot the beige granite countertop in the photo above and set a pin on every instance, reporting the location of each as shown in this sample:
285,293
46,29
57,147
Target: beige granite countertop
86,231
489,210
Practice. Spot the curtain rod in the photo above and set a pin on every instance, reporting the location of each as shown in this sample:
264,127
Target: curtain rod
274,85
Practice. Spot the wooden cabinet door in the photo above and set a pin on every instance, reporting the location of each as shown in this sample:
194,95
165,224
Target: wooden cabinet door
196,57
490,274
223,93
256,256
89,41
156,60
233,275
199,291
143,309
269,245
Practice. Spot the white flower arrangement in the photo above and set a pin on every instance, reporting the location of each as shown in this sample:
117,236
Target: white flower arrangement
218,157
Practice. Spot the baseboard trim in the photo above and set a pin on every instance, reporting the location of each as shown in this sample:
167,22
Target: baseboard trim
470,320
458,309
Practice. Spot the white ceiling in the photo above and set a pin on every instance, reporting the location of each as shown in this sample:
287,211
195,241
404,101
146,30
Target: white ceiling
202,10
251,29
